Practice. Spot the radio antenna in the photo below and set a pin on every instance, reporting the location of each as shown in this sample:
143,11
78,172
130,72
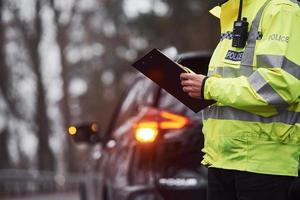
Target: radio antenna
240,10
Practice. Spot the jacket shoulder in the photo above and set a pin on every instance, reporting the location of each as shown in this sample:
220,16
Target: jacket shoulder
284,4
278,7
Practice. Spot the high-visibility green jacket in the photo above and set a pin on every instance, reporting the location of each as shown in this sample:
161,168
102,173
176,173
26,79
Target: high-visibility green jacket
255,124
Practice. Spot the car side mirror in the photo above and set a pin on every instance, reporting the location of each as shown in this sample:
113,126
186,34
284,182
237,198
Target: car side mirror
85,133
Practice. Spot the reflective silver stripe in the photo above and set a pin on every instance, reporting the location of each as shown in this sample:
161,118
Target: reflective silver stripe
230,72
248,56
229,113
263,61
261,86
272,61
264,89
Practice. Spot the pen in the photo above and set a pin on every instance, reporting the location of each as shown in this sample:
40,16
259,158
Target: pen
179,60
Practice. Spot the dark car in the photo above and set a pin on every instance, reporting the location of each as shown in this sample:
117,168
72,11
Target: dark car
152,149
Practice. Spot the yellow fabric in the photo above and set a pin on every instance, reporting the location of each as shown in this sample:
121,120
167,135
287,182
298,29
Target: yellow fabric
230,144
216,11
229,12
263,146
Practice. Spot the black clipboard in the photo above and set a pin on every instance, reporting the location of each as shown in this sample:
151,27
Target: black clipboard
166,73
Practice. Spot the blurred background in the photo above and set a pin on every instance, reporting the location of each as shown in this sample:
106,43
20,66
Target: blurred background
68,61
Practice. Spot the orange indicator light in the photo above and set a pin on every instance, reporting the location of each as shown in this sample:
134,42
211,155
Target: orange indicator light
146,132
72,130
172,121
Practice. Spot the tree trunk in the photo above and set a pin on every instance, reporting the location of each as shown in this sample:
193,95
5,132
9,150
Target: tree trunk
45,155
61,38
4,158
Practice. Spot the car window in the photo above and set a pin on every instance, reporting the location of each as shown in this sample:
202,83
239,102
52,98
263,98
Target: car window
141,93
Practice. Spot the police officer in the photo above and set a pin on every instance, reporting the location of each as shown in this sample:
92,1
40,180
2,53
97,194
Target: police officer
252,132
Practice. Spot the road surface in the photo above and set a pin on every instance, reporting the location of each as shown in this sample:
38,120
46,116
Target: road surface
59,196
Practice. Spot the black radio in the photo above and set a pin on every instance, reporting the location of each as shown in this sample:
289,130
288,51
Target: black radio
240,33
240,30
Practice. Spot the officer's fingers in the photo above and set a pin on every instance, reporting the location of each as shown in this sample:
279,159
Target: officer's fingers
187,83
191,89
197,77
187,89
185,76
193,83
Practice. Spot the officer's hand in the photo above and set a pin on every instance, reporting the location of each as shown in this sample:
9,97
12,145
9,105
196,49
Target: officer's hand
192,83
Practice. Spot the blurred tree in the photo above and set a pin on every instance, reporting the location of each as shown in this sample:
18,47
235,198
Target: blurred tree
187,25
4,88
62,32
45,155
32,39
97,40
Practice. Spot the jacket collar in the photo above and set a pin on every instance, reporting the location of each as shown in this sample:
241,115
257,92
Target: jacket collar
233,5
228,12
